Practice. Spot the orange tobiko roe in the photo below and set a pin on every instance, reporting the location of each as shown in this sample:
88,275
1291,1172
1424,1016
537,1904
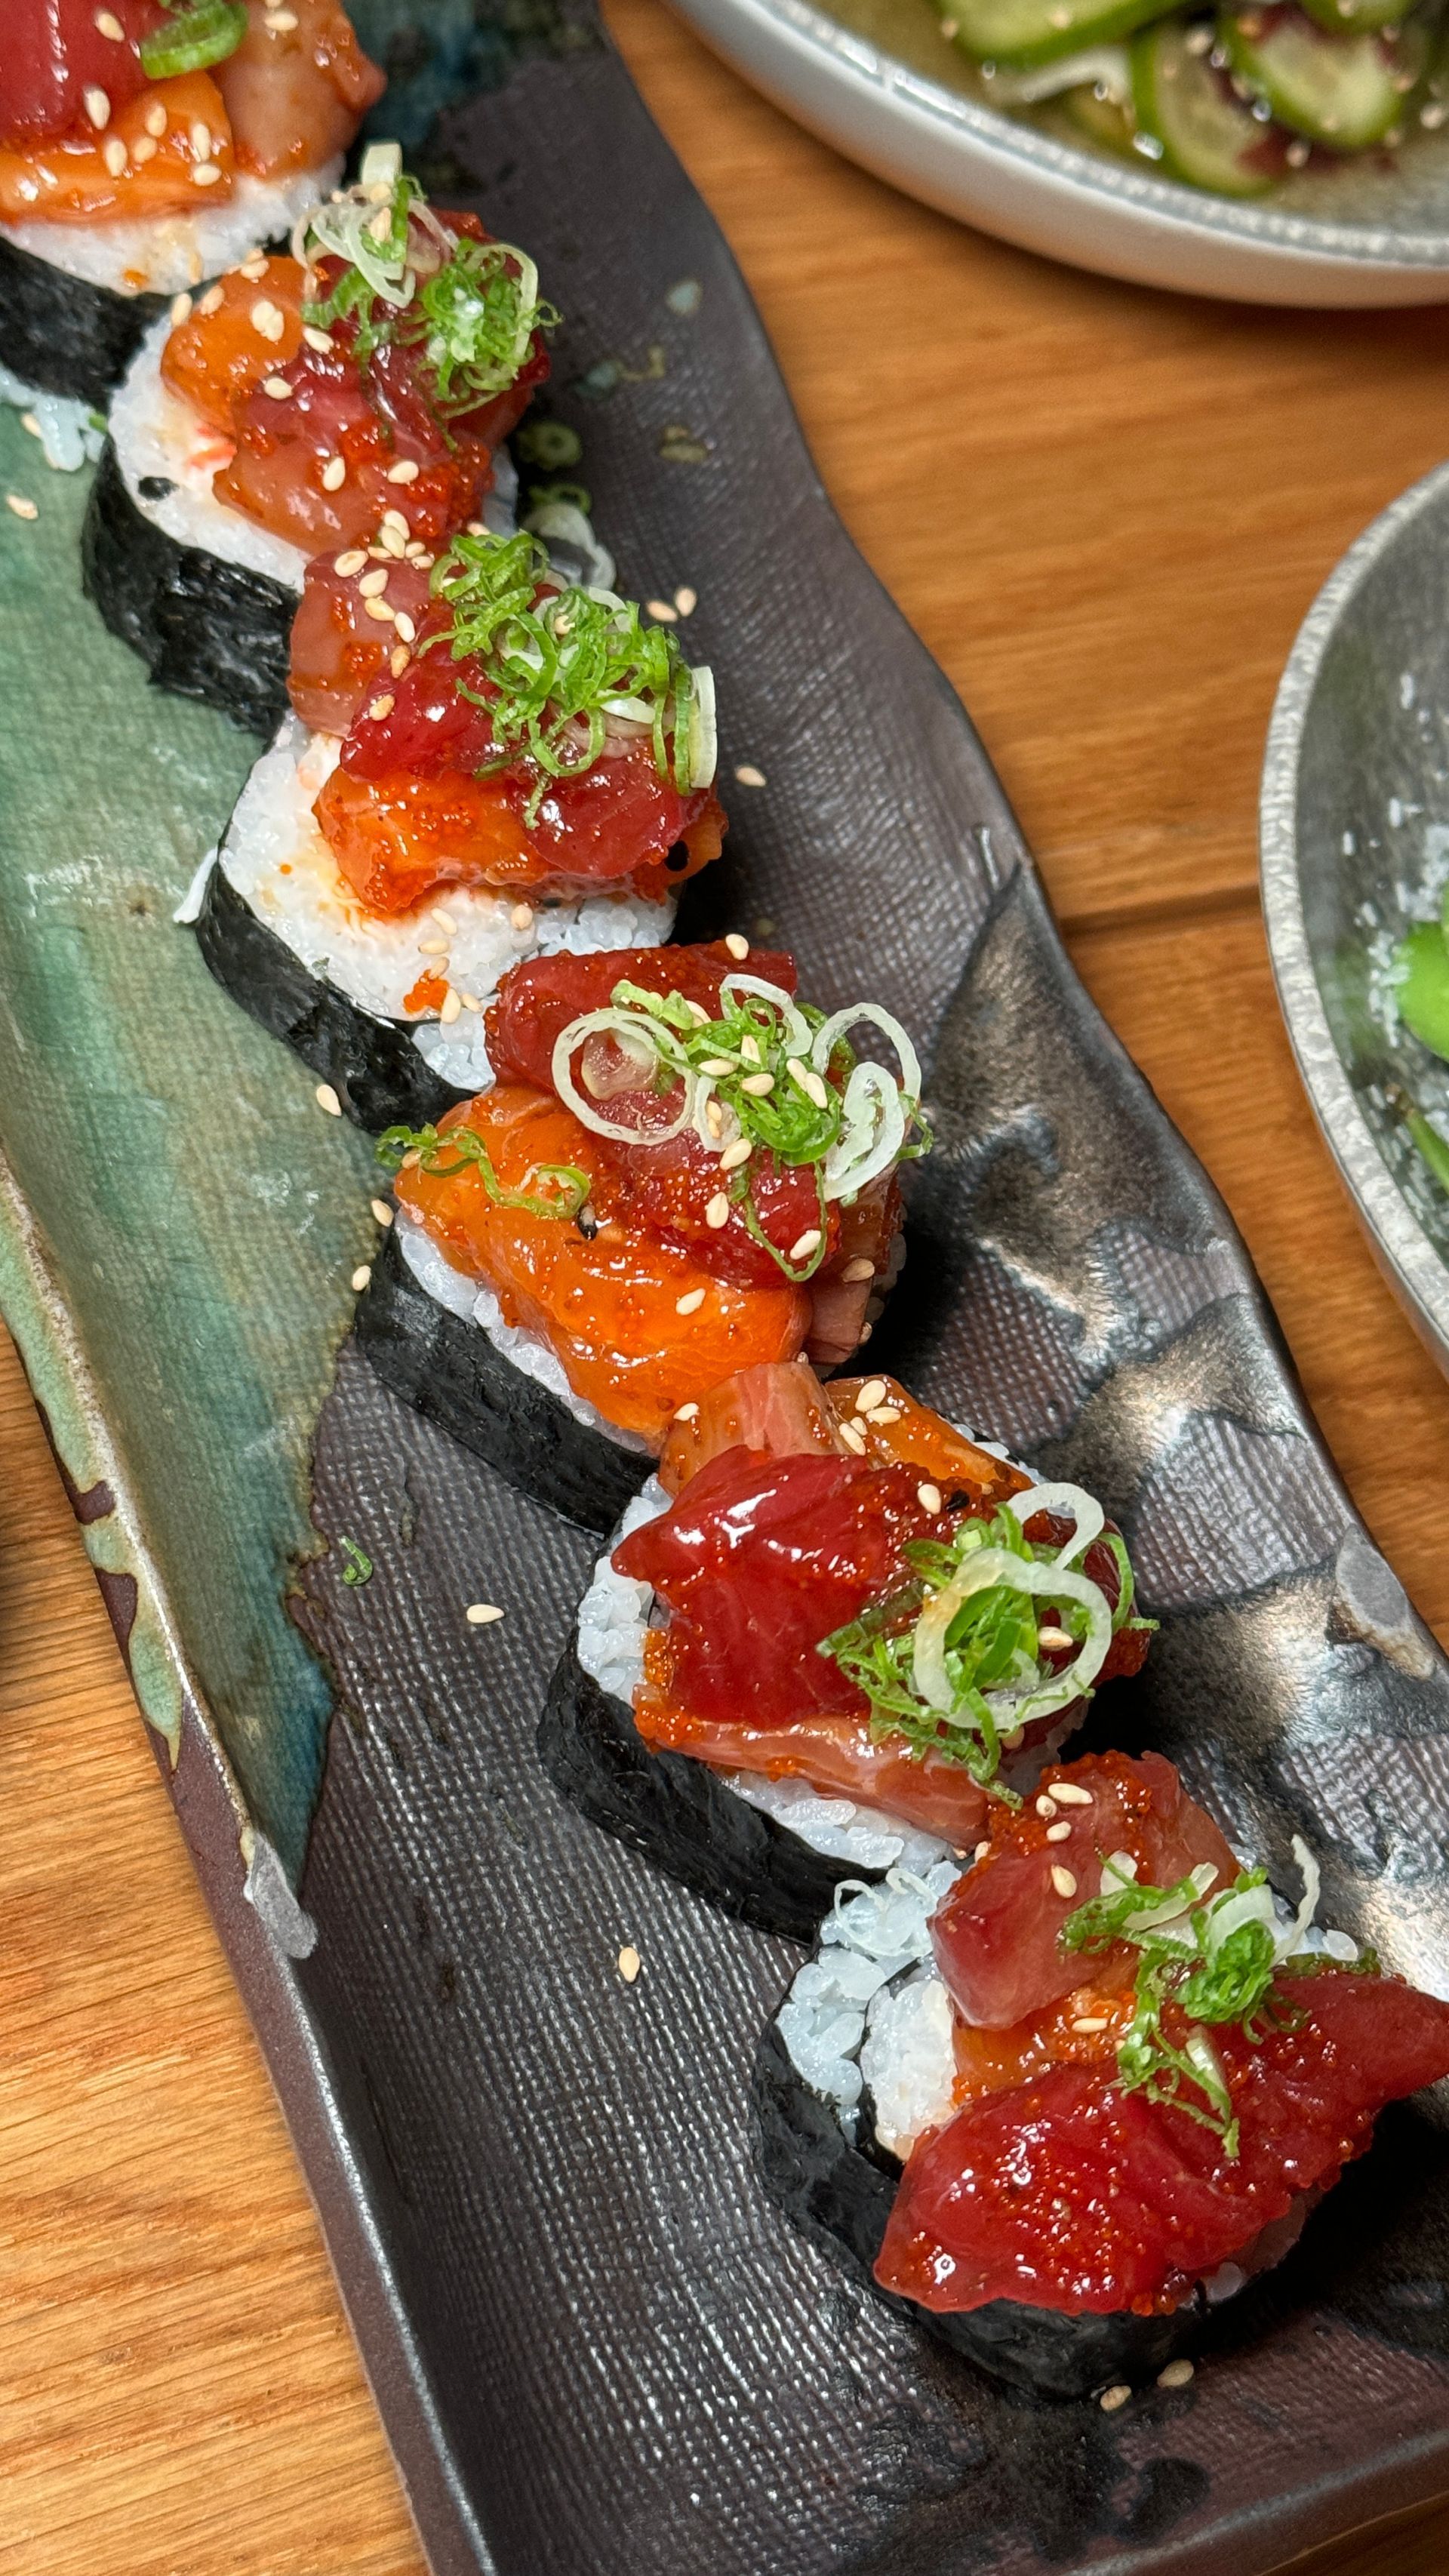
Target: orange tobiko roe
217,356
398,838
67,179
608,1304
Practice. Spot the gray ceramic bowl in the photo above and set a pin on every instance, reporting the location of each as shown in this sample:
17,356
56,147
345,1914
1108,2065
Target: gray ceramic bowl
875,78
1354,808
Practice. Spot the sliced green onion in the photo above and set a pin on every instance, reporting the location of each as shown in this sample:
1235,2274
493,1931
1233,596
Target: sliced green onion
194,38
989,1566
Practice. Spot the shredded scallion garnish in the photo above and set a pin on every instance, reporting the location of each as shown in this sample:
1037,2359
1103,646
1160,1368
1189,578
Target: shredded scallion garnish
444,1154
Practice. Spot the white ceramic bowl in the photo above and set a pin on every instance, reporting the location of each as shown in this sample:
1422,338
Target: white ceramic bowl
1360,235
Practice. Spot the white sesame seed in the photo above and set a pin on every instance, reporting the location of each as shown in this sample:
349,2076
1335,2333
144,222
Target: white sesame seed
201,140
884,1413
29,422
661,608
253,267
144,149
277,387
982,1849
718,1211
392,542
1053,1639
482,1614
1067,1793
156,119
268,318
213,300
477,528
853,1438
1061,1833
361,1276
382,1211
470,1001
321,341
97,107
115,156
691,1303
749,776
180,311
1090,2021
379,609
929,1498
107,24
871,1394
326,1098
381,223
395,519
1112,2398
855,1271
522,916
22,508
334,473
406,470
351,562
737,944
1046,1804
405,627
432,948
686,600
629,1963
452,1007
736,1154
383,706
687,1413
205,174
1176,2375
398,660
758,1085
1062,1880
373,584
279,22
806,1243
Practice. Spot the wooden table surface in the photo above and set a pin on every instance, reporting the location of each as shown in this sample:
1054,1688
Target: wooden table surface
1106,511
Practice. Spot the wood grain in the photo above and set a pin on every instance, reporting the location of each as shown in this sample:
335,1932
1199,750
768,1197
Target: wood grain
1106,511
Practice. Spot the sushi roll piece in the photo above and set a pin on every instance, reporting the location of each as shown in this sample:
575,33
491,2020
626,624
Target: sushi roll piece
1064,2104
421,825
835,1637
145,146
342,402
678,1170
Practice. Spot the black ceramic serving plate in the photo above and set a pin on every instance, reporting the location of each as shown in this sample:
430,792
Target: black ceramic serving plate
595,2344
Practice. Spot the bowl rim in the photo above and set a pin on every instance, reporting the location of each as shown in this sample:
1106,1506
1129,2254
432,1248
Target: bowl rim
986,134
1414,1264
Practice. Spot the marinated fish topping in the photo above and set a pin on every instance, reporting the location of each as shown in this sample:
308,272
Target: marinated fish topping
650,1254
531,734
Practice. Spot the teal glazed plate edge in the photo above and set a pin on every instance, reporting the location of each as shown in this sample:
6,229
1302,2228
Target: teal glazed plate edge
592,2341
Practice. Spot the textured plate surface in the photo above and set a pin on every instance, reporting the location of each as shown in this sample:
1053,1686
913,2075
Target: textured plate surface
875,78
594,2343
1354,840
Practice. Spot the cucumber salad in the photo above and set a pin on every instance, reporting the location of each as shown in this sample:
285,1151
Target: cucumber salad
1234,99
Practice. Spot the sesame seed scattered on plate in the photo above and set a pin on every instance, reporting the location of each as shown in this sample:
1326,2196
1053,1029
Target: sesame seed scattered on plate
382,1211
326,1098
686,600
629,1963
663,609
360,1277
482,1614
1113,2398
748,775
1176,2375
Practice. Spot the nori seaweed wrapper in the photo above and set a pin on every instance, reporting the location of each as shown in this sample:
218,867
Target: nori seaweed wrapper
840,2196
680,1814
448,1369
372,1064
204,628
65,334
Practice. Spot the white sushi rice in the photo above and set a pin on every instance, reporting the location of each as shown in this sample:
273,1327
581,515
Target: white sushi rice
870,1986
68,430
532,1358
277,858
162,255
158,436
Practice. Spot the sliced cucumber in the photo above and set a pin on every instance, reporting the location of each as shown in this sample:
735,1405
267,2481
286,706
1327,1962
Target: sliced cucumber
1187,110
1019,33
1347,91
1102,119
1101,67
1422,961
